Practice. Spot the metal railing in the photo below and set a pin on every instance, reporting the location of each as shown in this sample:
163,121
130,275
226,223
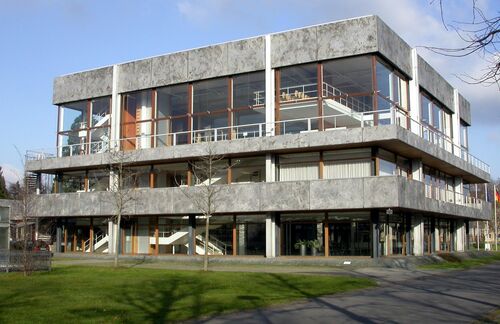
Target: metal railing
353,119
17,260
442,194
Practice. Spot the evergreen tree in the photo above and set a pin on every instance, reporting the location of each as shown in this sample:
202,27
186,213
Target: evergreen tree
4,194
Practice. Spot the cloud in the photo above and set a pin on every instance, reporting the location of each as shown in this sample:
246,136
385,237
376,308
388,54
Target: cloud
11,174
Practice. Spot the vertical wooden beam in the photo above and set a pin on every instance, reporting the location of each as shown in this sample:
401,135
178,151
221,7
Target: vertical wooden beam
374,90
86,181
320,96
190,174
321,165
190,112
326,232
153,117
230,107
74,242
229,172
66,237
277,98
151,177
91,234
376,161
235,237
157,235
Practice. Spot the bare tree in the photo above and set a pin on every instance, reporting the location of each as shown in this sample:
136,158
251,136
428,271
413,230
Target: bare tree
480,36
206,172
122,190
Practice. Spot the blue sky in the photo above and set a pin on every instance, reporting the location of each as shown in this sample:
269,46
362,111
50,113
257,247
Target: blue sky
42,39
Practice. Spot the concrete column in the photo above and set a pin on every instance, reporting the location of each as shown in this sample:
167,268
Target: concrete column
58,236
192,235
270,168
418,235
115,110
269,71
242,234
417,170
452,235
408,235
455,123
460,236
272,231
467,235
375,229
437,245
433,235
111,240
414,95
459,191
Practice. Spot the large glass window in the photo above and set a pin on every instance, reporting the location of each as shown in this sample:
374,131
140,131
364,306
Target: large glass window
172,115
73,181
98,180
351,163
349,233
136,120
173,234
171,175
251,169
300,166
302,234
297,93
464,135
249,104
251,234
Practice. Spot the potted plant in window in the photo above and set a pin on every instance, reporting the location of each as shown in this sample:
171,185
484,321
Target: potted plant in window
302,245
314,245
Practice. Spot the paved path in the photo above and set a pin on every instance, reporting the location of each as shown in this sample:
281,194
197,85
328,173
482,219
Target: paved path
451,297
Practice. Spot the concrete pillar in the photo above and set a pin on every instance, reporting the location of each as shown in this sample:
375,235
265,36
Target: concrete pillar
269,71
452,235
192,235
37,225
408,234
460,236
415,95
467,235
111,240
375,229
437,245
455,124
270,168
242,234
433,235
459,191
115,110
58,236
418,235
417,170
272,235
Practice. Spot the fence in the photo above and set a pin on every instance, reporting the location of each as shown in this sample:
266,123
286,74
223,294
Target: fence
14,260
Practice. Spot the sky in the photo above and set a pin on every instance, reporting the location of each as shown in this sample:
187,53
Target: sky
42,39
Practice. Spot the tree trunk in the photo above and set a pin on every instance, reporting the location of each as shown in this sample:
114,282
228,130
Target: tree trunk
205,258
116,238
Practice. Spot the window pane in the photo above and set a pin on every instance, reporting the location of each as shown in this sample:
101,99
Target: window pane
73,143
249,169
137,106
299,82
210,95
424,105
383,80
99,140
249,90
347,76
172,101
100,112
296,167
73,182
98,180
74,115
171,175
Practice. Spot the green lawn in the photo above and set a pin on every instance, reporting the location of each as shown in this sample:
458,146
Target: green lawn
99,294
452,262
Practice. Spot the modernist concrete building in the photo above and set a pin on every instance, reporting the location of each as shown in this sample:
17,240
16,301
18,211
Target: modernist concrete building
338,134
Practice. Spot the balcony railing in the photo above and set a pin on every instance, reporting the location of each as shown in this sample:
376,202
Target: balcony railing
453,197
352,119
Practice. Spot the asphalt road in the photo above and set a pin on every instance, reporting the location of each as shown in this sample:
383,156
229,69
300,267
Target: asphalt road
447,297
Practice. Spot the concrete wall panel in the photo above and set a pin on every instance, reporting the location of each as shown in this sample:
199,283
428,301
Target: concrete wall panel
246,55
135,76
394,48
346,38
207,62
435,84
464,107
337,194
83,85
294,47
169,69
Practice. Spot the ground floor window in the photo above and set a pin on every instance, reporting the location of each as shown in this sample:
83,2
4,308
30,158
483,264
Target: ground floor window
349,233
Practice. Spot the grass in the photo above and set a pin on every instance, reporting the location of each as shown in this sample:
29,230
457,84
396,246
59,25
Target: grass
453,262
492,317
97,294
